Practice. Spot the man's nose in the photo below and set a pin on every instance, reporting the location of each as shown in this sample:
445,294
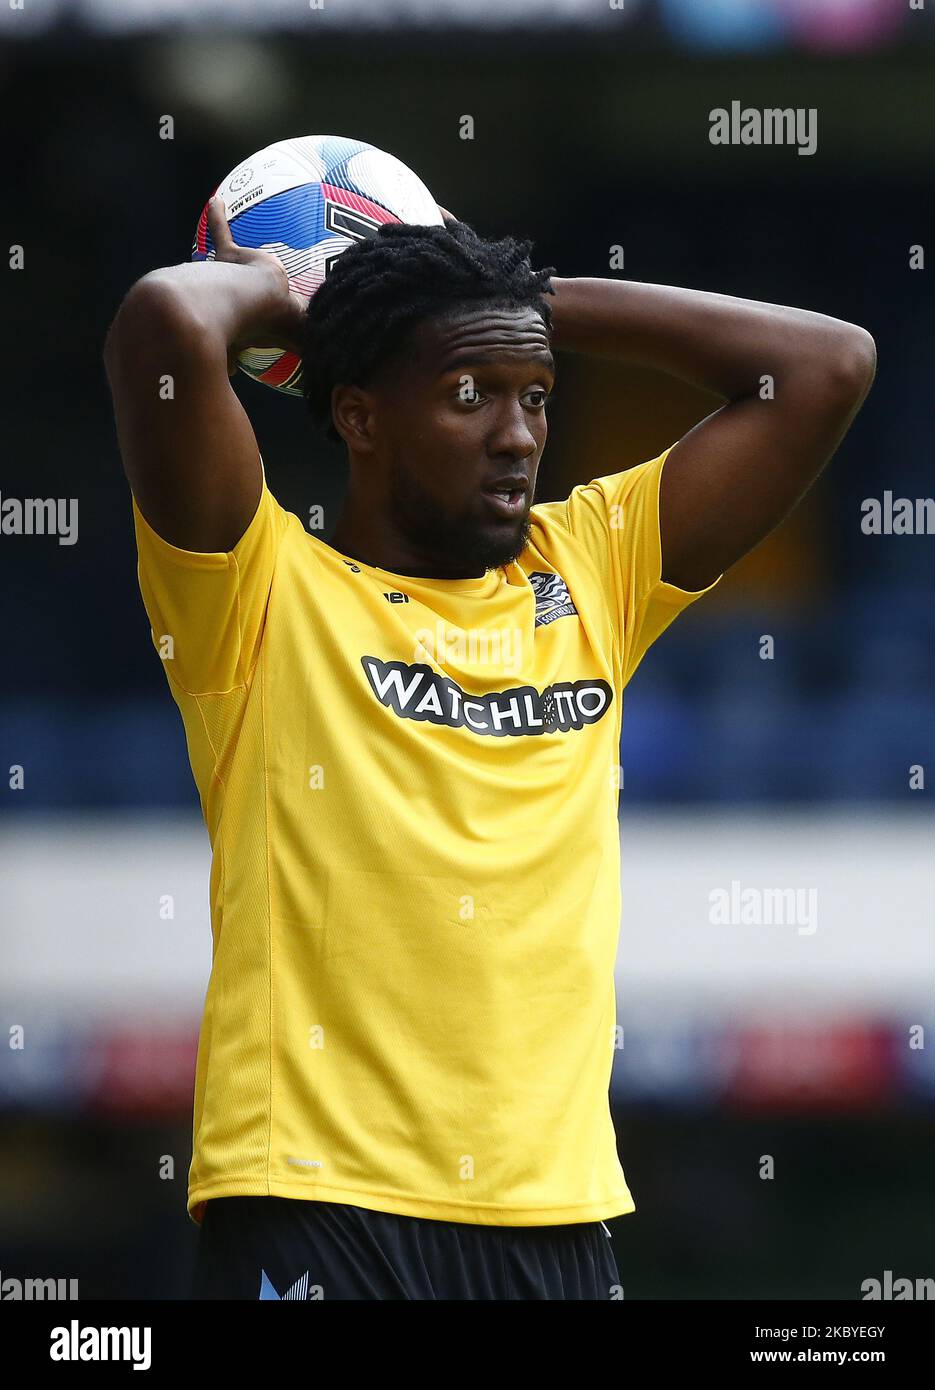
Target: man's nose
511,434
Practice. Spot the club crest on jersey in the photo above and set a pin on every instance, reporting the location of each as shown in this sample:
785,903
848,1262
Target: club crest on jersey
418,692
552,597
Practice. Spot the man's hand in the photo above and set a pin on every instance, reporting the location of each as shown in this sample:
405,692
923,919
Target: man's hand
284,319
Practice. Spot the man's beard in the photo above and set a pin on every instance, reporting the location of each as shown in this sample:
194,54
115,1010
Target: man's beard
458,544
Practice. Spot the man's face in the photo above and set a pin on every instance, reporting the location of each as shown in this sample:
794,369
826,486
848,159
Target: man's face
458,415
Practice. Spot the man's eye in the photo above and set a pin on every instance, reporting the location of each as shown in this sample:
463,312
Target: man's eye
468,394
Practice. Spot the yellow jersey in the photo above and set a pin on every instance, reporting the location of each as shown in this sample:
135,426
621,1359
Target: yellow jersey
411,788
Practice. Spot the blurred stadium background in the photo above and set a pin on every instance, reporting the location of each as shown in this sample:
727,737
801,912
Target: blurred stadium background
591,126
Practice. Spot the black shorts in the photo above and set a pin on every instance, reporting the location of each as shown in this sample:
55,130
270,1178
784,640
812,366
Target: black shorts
283,1247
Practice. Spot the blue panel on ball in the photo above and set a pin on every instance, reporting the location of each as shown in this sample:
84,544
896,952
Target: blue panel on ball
296,218
335,150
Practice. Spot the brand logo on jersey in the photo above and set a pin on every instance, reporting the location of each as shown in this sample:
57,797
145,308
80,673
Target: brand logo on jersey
552,597
298,1291
418,692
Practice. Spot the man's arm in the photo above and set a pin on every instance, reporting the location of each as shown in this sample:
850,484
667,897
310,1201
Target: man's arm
739,472
188,449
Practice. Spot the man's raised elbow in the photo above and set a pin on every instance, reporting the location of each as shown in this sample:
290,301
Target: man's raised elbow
151,309
851,363
134,307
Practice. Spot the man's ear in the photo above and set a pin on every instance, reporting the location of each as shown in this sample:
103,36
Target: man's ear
352,411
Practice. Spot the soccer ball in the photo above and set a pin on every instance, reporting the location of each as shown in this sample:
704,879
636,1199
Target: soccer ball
305,201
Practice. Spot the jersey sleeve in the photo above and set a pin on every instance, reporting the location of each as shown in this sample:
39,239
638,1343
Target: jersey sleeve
207,610
616,521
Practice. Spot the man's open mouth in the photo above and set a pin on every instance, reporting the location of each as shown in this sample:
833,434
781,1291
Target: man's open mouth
508,502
